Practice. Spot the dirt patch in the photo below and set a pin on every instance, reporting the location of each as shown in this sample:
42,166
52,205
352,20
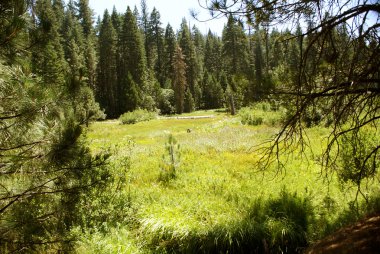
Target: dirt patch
362,237
189,117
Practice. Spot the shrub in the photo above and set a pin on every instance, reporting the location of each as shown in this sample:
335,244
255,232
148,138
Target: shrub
136,116
249,117
358,156
166,101
261,113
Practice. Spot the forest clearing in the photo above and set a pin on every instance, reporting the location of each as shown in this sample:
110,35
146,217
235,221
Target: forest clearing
124,131
218,200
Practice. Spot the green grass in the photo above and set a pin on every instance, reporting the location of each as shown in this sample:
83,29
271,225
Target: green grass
219,200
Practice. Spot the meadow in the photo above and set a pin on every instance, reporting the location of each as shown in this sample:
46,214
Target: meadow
218,199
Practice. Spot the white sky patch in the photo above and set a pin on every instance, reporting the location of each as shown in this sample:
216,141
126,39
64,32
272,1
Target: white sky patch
171,11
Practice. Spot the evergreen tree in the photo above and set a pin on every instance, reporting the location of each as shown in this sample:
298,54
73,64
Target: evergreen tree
107,69
48,56
82,98
276,49
73,45
116,20
199,45
259,86
12,24
212,54
199,41
213,94
235,60
46,168
144,23
136,13
235,48
85,17
155,42
192,70
131,64
168,56
179,79
59,11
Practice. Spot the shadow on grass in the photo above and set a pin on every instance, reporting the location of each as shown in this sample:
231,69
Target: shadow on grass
276,225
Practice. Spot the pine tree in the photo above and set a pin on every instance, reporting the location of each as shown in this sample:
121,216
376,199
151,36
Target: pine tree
59,10
192,70
259,86
131,64
144,23
85,17
48,56
12,24
155,42
199,45
179,79
213,94
116,20
212,54
107,69
169,51
74,46
46,168
235,48
235,59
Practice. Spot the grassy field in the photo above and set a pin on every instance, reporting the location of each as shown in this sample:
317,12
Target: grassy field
219,201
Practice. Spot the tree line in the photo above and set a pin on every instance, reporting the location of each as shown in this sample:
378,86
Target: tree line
59,70
141,64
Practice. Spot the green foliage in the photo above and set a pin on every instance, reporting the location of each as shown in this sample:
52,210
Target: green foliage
249,118
359,155
235,48
109,205
107,86
170,160
261,113
117,240
213,94
189,104
179,79
186,43
139,115
166,101
131,66
47,167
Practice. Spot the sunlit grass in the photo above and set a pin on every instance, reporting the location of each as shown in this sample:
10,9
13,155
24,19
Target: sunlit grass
216,184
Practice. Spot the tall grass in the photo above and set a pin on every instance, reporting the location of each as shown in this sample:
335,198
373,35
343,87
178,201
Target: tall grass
218,202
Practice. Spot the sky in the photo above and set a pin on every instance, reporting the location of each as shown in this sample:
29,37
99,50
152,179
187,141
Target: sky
171,11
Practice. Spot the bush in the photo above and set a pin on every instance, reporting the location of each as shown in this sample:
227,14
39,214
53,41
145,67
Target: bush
249,117
139,115
358,156
166,101
261,113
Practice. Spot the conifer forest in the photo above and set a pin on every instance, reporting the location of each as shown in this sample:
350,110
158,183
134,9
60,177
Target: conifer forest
121,134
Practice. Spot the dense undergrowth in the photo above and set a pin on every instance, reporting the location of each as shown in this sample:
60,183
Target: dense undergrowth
219,200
